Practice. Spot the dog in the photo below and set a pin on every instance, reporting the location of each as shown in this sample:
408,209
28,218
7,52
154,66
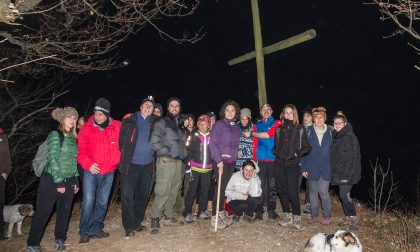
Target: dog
340,241
15,214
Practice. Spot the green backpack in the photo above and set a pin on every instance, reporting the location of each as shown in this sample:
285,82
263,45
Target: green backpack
41,157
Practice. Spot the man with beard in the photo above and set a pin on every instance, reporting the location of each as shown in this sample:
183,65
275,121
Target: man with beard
168,141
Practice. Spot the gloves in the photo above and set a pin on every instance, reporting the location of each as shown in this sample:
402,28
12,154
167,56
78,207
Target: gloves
188,175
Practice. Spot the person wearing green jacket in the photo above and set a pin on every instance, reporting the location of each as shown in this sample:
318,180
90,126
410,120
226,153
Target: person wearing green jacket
58,182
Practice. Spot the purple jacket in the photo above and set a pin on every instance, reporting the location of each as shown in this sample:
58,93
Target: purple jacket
224,141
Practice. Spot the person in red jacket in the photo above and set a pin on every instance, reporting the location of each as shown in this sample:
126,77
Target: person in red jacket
99,156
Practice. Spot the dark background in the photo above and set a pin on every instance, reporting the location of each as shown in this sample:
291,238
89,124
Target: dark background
348,66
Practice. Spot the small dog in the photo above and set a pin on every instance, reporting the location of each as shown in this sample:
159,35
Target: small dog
340,241
16,214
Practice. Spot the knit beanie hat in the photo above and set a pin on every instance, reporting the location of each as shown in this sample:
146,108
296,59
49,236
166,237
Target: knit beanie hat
103,105
211,114
148,99
59,114
205,118
246,112
158,106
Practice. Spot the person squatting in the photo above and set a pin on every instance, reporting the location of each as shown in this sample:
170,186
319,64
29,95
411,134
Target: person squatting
235,167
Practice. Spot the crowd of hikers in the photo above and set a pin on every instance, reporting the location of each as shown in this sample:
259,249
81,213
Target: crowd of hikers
239,166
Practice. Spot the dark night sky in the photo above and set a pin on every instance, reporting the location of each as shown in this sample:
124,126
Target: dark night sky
348,67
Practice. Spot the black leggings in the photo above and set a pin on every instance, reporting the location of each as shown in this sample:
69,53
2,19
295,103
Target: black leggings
200,182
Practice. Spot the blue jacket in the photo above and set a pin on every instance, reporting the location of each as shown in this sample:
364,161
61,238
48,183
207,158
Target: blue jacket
265,146
318,163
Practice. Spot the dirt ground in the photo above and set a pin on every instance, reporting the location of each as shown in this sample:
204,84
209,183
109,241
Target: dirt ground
264,235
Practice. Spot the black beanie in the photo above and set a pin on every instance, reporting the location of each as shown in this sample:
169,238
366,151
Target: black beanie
103,105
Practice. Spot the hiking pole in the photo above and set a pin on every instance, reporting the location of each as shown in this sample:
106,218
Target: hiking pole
218,200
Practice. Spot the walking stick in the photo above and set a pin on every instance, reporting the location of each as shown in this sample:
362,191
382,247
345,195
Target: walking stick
218,201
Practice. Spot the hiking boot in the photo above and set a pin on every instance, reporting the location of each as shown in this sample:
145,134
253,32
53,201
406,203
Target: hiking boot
354,223
204,216
35,248
226,219
129,233
188,219
172,222
345,223
326,221
59,245
101,234
220,223
84,238
248,218
272,215
259,216
297,220
307,208
313,220
285,219
154,226
236,218
140,228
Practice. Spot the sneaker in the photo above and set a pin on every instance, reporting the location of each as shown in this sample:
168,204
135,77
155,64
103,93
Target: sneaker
36,248
101,234
204,216
236,218
272,215
129,233
59,245
345,223
326,221
259,216
285,219
188,219
248,218
354,223
172,222
84,238
154,226
313,220
297,220
220,223
226,219
307,208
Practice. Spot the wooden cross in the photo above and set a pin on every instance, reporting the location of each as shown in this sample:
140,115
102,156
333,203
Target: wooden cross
259,52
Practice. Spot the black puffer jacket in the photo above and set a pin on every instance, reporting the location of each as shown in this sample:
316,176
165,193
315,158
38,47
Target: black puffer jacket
345,157
128,140
290,143
168,139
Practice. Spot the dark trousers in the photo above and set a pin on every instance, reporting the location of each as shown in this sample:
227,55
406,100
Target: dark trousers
135,194
301,177
287,178
268,185
227,174
2,202
248,206
202,180
47,197
348,205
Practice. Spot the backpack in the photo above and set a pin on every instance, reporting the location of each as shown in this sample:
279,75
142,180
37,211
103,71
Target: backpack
41,157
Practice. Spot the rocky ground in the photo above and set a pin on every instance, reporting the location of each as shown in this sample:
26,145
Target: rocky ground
264,235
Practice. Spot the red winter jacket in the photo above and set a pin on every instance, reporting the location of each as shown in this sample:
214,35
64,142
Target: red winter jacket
99,146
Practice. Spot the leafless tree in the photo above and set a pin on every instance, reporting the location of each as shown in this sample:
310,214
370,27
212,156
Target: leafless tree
80,35
406,16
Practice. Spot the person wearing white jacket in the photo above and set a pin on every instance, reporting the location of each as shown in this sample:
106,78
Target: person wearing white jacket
243,191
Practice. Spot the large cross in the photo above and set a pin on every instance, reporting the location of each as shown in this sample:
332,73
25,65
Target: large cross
259,52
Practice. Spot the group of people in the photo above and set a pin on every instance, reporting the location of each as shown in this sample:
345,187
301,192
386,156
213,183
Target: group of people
251,163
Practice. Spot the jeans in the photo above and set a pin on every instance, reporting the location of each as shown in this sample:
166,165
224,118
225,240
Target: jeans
202,179
47,197
96,189
320,187
287,178
244,206
169,173
348,205
134,194
227,174
268,186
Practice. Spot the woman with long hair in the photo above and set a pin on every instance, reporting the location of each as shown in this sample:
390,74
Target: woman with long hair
290,144
58,182
224,143
345,166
